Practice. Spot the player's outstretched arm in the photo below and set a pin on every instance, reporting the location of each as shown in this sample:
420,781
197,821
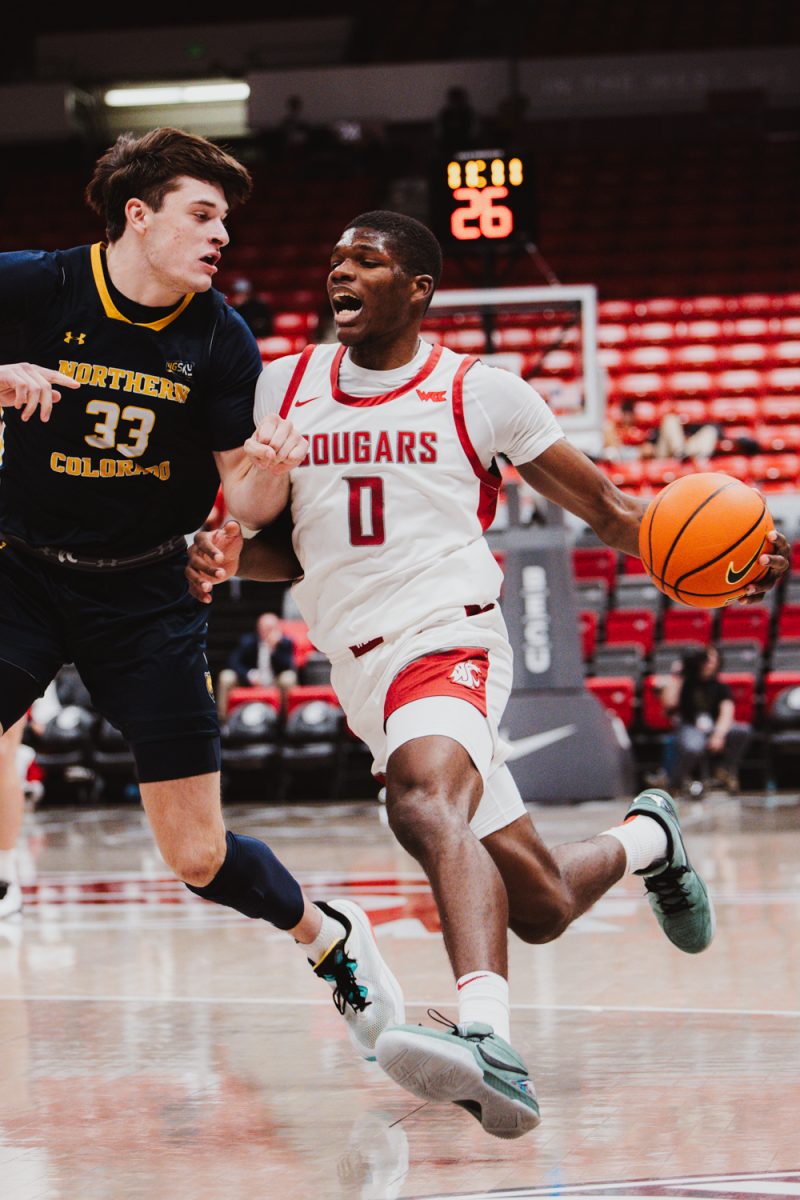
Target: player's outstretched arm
570,479
255,478
28,387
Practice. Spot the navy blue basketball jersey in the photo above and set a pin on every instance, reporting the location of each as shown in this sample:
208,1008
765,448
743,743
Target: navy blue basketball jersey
126,460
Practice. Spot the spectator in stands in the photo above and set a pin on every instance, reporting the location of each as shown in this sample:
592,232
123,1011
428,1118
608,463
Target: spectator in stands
706,732
260,659
293,130
456,122
623,440
253,309
674,439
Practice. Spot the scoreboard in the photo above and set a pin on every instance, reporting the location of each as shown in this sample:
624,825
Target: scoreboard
483,198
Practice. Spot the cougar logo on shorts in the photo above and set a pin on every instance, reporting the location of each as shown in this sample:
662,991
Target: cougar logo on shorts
467,673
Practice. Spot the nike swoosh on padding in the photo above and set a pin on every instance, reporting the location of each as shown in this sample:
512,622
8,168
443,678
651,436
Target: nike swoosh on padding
733,576
537,741
300,403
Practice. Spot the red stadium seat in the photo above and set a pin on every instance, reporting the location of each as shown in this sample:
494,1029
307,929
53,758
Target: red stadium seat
303,694
595,562
247,695
743,687
733,410
788,629
617,693
297,630
775,409
631,626
774,683
654,715
687,625
745,623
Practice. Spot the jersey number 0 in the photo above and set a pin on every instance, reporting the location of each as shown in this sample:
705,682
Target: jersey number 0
365,510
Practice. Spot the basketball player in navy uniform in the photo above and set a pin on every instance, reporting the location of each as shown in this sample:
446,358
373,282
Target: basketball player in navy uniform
131,399
400,589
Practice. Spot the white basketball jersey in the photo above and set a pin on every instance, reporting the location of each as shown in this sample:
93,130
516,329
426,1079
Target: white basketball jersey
390,504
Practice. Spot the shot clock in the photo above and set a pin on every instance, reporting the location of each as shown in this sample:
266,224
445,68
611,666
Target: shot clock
483,199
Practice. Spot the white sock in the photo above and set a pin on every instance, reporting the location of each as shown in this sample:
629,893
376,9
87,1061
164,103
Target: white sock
8,866
644,841
483,996
330,931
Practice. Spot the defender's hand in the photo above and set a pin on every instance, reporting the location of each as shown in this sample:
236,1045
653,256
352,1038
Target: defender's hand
276,445
213,558
778,563
28,387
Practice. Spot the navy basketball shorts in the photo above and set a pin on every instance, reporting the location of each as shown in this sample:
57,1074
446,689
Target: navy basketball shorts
138,640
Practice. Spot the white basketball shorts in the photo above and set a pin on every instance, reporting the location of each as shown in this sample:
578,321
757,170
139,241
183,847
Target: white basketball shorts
452,679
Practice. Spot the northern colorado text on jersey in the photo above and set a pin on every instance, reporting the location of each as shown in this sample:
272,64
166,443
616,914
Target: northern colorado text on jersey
122,379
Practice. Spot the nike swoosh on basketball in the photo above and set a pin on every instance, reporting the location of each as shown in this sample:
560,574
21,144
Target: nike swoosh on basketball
734,576
537,741
300,403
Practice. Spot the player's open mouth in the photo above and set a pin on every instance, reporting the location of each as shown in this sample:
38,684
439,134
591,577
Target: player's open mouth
211,261
346,307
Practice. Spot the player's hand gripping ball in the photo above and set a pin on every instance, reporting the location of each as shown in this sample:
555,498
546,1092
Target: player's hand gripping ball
701,538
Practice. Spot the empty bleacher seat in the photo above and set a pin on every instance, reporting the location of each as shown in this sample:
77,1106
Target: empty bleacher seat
634,592
628,660
745,622
788,627
595,562
741,656
615,693
634,626
776,682
687,625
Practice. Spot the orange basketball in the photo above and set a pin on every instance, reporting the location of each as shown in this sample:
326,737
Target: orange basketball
701,538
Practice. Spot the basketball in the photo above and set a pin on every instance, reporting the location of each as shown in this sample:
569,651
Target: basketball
701,538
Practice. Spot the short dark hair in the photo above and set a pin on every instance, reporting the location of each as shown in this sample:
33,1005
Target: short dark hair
148,167
415,245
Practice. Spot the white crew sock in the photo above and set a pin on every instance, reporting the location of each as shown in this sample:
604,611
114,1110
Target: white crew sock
8,866
643,839
483,996
330,931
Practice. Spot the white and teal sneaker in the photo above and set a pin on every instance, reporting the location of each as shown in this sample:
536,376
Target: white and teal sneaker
365,991
470,1066
677,894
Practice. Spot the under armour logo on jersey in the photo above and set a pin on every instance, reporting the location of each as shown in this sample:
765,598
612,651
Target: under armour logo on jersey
69,336
435,397
467,673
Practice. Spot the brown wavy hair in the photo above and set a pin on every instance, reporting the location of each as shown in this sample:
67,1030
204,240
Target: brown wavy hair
149,166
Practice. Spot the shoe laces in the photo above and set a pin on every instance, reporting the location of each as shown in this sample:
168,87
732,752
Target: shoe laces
347,990
668,886
458,1030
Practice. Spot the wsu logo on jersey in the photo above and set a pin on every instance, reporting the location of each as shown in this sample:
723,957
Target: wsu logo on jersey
468,674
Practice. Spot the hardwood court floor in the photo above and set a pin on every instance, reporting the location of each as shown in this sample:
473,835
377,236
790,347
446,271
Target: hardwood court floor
154,1046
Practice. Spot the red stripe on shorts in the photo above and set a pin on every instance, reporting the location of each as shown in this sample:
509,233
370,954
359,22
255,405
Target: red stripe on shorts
459,673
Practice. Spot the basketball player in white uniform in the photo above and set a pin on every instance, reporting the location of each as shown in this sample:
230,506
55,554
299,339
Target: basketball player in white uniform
400,589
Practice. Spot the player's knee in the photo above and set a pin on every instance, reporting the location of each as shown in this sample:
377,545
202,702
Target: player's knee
422,816
196,864
546,916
